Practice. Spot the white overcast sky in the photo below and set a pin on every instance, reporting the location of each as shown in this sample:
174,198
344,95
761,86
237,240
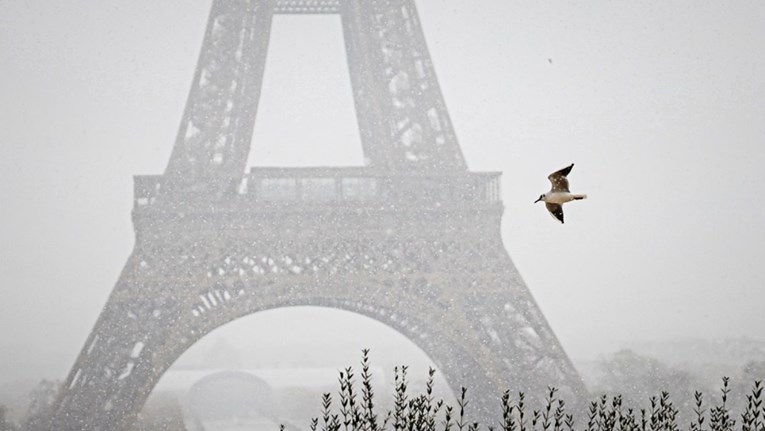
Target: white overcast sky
661,105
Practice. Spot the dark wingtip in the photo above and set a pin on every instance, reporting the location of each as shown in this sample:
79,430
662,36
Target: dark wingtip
565,171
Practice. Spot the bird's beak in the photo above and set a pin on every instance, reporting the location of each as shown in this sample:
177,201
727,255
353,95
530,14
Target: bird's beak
537,200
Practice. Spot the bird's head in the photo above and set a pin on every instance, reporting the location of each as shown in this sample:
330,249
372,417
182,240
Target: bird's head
541,198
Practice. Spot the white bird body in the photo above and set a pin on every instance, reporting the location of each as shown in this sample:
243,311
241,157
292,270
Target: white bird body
561,197
559,193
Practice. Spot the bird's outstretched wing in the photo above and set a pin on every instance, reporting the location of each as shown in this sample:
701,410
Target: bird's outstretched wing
556,211
559,180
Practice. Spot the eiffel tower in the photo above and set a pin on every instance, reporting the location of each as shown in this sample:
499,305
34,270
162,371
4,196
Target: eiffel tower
411,239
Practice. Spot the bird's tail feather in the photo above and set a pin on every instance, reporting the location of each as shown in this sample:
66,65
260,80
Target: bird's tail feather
580,197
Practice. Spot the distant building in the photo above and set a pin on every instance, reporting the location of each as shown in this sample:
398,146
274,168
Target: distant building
252,399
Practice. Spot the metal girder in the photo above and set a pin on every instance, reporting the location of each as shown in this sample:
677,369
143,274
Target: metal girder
216,130
388,54
307,6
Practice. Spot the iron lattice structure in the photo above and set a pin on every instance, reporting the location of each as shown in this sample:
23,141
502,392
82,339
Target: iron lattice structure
412,239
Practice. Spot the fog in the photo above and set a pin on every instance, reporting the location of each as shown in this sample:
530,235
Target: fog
659,104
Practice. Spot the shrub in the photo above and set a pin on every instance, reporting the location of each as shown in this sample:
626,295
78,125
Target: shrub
355,410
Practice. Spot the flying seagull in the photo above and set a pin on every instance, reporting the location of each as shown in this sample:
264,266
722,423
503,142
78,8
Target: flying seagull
559,193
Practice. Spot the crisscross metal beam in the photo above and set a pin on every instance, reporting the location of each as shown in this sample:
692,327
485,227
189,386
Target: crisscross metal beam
307,7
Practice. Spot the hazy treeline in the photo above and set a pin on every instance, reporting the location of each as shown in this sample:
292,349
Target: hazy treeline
622,384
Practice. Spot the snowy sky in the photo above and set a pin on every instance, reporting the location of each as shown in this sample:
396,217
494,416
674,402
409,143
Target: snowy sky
661,105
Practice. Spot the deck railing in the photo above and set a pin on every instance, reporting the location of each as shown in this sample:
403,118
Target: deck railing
338,186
